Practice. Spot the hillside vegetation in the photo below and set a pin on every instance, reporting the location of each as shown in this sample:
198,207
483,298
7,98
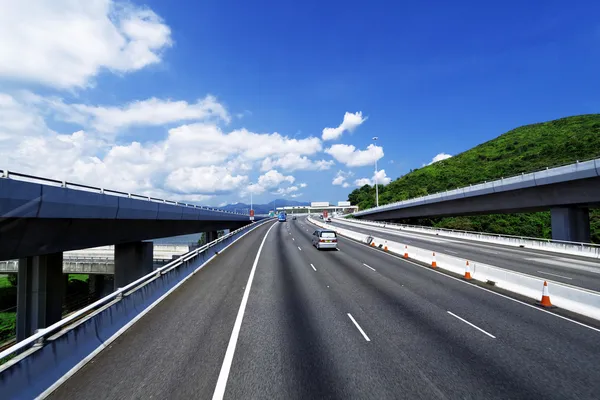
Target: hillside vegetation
524,149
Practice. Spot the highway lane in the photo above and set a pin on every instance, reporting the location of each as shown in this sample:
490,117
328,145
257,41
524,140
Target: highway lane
175,350
405,310
573,270
355,323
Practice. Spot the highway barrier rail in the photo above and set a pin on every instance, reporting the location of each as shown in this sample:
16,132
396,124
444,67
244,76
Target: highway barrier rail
556,246
581,301
35,364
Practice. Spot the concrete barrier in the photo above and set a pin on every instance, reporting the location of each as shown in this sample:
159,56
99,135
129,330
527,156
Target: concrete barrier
50,354
581,301
555,246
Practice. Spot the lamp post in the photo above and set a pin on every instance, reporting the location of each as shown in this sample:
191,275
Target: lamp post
376,186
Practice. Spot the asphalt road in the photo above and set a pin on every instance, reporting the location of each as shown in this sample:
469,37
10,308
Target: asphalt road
355,323
582,272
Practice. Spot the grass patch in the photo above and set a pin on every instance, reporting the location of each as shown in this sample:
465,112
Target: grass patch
4,282
8,326
79,277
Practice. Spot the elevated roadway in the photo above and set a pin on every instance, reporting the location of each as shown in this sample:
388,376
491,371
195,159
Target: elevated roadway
583,272
568,192
284,320
43,218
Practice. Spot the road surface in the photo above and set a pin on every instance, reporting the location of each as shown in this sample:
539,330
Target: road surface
350,324
583,272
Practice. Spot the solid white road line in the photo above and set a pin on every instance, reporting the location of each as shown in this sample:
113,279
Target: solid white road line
368,266
313,267
226,367
359,328
450,251
299,248
474,326
560,276
480,288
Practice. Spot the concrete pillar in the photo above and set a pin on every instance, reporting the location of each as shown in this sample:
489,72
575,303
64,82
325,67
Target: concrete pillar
571,224
40,293
210,236
132,261
100,285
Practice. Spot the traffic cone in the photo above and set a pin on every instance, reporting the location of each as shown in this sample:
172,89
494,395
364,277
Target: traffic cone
372,244
385,246
545,296
468,272
433,263
405,251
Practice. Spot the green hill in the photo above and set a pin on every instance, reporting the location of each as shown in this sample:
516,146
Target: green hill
524,149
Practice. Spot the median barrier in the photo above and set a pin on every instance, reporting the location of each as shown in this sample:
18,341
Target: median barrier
581,301
43,359
572,248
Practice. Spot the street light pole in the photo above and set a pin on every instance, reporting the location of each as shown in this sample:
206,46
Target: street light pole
376,186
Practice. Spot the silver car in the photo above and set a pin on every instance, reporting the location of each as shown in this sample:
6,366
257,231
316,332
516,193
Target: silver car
324,239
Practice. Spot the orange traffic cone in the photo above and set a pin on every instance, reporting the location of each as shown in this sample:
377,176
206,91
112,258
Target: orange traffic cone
545,296
433,263
372,244
468,272
405,251
385,246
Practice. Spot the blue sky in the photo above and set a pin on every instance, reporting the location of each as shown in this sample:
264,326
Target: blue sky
429,79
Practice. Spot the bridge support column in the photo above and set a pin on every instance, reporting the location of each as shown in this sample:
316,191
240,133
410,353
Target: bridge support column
132,261
210,236
571,224
40,292
100,285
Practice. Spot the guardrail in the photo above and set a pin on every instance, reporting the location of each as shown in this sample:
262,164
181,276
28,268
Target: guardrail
578,300
6,174
45,357
590,250
587,168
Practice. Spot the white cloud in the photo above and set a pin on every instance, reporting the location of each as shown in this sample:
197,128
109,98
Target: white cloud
340,178
286,191
274,178
294,162
348,154
295,195
362,182
350,122
204,180
346,185
439,157
380,177
302,185
149,112
65,44
269,180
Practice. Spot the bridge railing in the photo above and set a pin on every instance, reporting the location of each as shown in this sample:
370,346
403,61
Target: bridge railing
548,175
6,174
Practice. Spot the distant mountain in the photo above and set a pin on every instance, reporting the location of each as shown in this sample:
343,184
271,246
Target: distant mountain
264,208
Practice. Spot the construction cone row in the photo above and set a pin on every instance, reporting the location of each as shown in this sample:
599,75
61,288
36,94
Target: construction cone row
468,271
405,251
545,296
433,262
